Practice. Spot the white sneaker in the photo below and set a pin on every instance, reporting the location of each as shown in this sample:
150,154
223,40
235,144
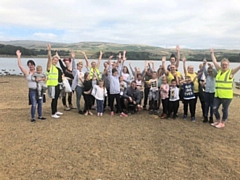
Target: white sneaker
55,116
59,113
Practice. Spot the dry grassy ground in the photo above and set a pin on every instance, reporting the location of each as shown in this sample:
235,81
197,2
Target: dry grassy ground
90,147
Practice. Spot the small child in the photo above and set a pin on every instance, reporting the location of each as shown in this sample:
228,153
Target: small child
40,79
99,92
88,98
173,103
140,85
123,86
164,90
188,97
153,94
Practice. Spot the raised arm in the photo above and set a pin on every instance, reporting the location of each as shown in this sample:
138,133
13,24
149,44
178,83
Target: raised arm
235,70
214,60
164,65
86,59
74,67
110,66
24,71
99,59
130,66
178,56
153,68
49,62
184,65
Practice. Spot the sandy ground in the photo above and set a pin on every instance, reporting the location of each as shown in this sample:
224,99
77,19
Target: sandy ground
141,146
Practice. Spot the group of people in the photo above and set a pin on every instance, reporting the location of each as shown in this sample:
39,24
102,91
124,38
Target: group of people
165,87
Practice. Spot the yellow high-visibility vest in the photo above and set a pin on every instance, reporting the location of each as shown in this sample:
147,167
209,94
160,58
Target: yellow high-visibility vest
52,75
224,85
96,70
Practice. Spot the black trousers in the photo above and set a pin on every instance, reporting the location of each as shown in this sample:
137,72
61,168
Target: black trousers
146,92
88,98
192,106
54,102
173,107
202,101
111,99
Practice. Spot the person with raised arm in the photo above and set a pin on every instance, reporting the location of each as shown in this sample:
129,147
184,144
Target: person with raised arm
53,81
125,72
172,73
210,74
223,89
32,86
173,60
77,83
189,71
147,76
67,71
106,84
94,67
113,75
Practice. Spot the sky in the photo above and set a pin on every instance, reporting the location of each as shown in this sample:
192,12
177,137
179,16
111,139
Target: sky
195,24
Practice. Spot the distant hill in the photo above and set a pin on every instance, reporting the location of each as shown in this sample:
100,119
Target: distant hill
134,51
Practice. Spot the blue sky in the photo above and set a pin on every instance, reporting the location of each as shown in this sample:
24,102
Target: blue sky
191,24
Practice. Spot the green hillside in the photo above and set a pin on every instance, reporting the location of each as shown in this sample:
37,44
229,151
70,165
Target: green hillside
134,51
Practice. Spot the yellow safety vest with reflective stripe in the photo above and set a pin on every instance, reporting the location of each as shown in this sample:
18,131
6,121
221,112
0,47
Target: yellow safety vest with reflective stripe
224,85
96,70
52,76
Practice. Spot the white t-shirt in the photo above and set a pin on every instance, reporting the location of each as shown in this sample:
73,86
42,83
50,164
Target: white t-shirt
174,94
99,93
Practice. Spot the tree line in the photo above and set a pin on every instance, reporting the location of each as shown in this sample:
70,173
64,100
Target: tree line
11,51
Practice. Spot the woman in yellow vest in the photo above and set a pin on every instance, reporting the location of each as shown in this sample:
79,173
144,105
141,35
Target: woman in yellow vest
54,78
223,89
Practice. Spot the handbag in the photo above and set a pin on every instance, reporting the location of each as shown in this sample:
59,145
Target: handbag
66,85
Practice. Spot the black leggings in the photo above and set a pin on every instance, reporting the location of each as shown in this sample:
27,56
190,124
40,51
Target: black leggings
111,99
165,105
55,100
173,107
146,92
88,98
69,99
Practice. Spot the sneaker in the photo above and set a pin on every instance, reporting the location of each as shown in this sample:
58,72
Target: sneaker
193,119
101,114
123,115
71,106
90,113
42,118
33,120
220,125
155,112
98,114
185,117
59,113
40,97
215,124
80,112
55,116
112,113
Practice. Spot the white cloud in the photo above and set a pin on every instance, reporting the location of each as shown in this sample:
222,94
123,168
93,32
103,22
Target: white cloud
193,24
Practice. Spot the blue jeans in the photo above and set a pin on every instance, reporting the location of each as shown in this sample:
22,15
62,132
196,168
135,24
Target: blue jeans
209,97
225,104
99,106
79,91
34,102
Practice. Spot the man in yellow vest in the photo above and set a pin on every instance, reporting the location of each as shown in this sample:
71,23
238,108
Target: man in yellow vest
54,78
223,89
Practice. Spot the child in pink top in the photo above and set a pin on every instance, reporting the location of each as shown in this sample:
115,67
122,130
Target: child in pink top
164,90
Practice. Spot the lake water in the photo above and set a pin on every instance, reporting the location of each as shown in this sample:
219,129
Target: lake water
10,65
